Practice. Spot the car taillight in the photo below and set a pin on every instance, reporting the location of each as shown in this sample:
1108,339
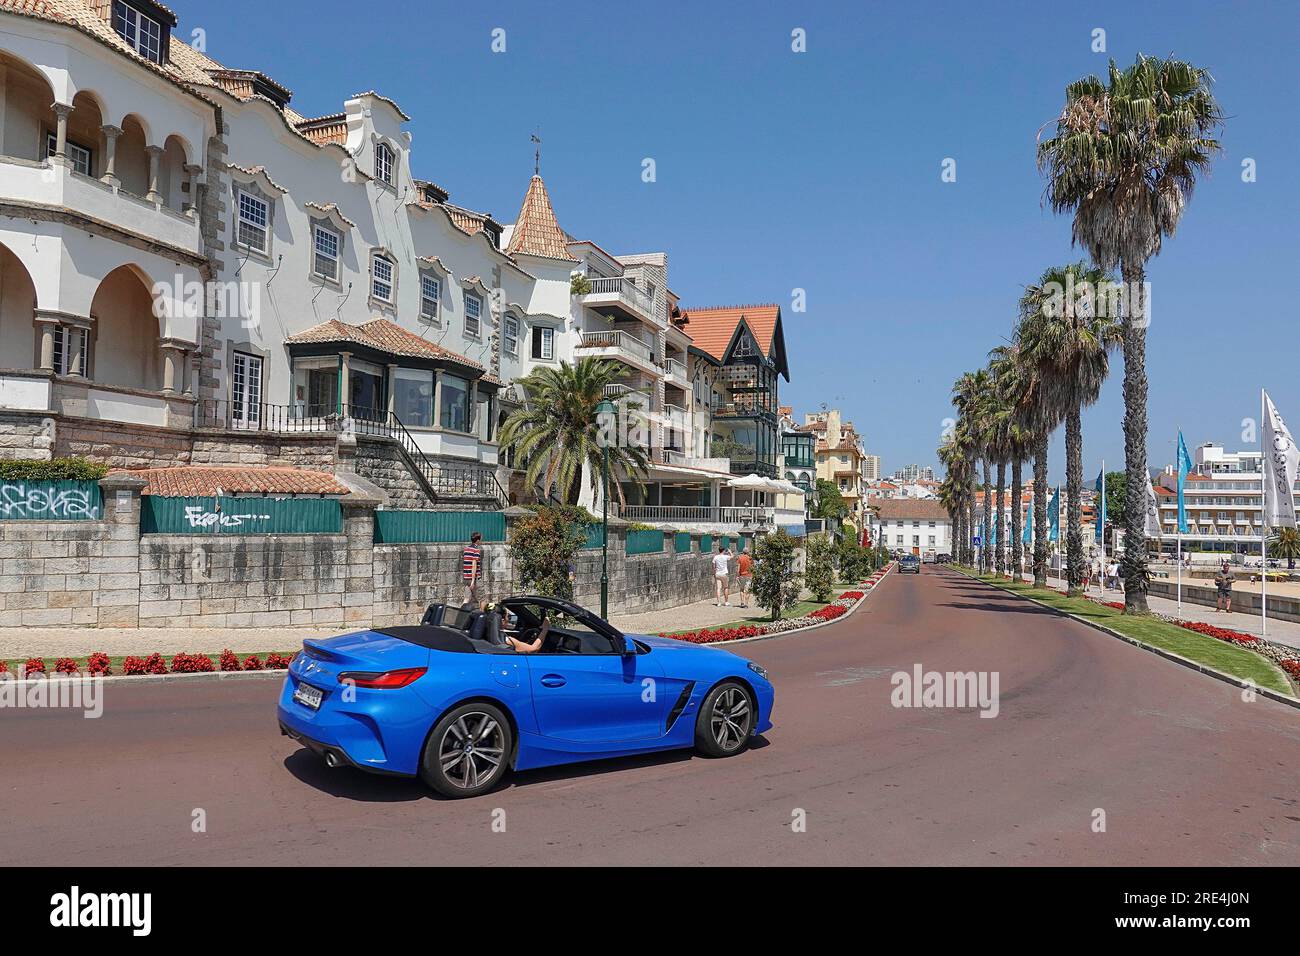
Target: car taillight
385,680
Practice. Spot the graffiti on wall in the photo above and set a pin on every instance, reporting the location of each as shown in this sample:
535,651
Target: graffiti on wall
48,501
200,517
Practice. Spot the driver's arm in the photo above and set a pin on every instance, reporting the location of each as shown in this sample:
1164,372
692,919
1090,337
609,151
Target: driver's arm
530,647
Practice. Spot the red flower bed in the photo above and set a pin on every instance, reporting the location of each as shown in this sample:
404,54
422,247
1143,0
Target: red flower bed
184,663
97,665
154,664
850,596
1222,633
65,665
277,661
35,665
1292,667
828,613
4,667
229,660
710,635
252,663
132,666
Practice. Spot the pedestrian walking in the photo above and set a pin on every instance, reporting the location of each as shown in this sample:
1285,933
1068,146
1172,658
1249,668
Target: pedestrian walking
1223,582
471,569
722,578
744,575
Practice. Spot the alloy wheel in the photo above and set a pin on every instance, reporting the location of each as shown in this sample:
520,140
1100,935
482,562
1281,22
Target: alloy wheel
472,749
731,718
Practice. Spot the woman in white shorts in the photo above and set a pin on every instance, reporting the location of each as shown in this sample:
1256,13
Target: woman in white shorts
721,578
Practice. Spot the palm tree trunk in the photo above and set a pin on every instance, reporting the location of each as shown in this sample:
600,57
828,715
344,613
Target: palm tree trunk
1135,444
1017,489
1000,527
988,519
1073,499
967,545
1040,513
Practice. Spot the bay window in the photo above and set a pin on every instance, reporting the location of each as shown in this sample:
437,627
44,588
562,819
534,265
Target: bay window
413,396
455,403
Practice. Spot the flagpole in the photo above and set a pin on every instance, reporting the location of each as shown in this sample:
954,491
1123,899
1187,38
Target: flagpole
1103,513
1263,546
1178,524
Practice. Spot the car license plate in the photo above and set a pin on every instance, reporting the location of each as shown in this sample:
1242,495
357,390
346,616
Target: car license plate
308,696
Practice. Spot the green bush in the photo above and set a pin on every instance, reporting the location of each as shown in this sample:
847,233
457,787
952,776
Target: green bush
545,546
819,568
579,284
855,561
775,583
56,469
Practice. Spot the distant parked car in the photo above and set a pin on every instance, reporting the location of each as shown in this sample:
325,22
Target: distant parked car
928,558
943,558
909,564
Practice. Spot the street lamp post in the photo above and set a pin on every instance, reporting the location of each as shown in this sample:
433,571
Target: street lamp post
606,407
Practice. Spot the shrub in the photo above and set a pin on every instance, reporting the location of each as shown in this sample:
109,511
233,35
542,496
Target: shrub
229,660
819,570
98,665
544,548
184,663
4,667
252,663
775,582
65,665
1292,667
133,666
56,469
154,664
34,665
277,661
579,284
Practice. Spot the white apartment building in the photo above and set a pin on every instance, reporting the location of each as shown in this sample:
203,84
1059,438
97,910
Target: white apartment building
919,527
1223,500
871,468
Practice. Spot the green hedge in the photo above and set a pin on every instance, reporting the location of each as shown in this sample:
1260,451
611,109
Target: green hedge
56,469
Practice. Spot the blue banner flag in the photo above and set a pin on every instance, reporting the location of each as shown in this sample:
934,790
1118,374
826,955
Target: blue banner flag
1100,520
1184,469
1054,516
1027,536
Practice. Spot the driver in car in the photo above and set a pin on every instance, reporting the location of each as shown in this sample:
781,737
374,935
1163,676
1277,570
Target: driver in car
513,634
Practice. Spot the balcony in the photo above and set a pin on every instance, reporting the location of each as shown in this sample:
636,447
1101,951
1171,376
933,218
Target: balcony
54,185
618,344
620,297
677,515
690,461
675,374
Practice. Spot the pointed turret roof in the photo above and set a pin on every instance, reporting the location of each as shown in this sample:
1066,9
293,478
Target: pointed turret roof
536,232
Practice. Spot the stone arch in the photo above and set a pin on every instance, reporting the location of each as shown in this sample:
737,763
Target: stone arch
133,156
17,313
126,348
29,96
172,179
86,130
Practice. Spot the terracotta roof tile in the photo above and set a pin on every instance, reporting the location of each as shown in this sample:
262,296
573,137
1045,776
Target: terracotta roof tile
712,327
536,232
383,335
911,509
184,481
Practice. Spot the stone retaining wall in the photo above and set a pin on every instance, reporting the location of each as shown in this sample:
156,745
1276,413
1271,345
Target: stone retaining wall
1246,602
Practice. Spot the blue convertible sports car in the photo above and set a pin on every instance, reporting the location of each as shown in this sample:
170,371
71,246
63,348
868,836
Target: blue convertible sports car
449,699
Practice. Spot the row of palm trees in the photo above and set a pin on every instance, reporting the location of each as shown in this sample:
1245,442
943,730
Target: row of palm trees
1124,157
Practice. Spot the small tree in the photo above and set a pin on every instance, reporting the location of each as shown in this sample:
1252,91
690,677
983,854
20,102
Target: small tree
775,583
544,547
819,571
830,503
854,560
1285,543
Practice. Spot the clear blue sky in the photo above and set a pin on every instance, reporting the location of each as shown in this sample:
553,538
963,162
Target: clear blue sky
821,171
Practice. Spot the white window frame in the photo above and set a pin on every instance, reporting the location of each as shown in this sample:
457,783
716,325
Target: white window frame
473,330
81,156
510,335
539,334
385,163
250,221
128,23
430,305
376,281
63,353
319,230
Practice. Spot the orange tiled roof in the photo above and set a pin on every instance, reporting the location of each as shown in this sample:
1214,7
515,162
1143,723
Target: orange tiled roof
713,327
183,481
536,231
380,334
912,509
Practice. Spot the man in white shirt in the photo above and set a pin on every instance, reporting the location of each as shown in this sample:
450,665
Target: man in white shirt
722,578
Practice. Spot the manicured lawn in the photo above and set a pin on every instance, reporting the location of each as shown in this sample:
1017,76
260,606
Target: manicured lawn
1220,655
758,615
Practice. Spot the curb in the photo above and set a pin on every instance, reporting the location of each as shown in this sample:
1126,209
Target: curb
1158,651
810,627
161,678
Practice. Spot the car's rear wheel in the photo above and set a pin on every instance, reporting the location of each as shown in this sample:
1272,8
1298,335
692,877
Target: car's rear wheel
468,751
725,721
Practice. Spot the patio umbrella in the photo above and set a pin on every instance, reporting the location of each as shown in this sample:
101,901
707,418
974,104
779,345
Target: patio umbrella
751,483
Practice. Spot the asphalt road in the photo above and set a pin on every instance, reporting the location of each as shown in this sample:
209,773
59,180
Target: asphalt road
1184,770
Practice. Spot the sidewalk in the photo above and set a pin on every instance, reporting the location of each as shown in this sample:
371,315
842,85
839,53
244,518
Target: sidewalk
1279,632
690,617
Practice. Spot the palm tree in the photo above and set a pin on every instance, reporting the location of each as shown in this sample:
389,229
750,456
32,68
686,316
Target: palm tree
1070,347
557,431
953,491
1013,382
1285,543
1124,160
970,395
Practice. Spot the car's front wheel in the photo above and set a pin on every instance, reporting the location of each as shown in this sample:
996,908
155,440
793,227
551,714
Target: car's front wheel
468,752
725,721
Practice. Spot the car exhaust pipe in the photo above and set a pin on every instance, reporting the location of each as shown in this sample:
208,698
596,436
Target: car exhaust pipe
332,759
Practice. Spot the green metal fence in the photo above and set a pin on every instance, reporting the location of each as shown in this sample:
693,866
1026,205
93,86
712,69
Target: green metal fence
645,542
40,500
223,515
595,536
706,543
726,542
682,542
409,527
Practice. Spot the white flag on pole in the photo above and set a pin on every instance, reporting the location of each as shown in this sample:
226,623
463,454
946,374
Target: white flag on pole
1281,463
1153,528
